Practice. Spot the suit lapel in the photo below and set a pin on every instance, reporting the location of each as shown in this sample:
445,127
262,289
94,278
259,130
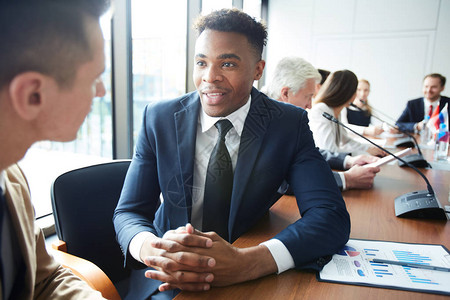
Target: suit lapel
256,124
442,102
258,119
186,134
421,107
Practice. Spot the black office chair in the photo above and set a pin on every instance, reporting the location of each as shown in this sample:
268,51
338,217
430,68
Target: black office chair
83,202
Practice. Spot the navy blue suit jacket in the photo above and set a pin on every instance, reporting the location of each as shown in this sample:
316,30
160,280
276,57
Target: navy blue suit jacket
414,112
276,145
336,161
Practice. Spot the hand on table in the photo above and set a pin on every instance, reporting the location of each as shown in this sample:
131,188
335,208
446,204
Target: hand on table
394,130
229,262
175,261
374,130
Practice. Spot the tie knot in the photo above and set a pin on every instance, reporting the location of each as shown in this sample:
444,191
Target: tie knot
223,126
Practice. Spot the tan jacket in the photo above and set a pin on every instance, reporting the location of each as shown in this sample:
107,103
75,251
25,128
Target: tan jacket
45,278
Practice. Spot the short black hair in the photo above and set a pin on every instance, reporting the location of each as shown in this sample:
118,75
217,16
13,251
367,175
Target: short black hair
439,76
235,20
46,36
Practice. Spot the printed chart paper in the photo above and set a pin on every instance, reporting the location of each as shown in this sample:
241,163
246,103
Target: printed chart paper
353,265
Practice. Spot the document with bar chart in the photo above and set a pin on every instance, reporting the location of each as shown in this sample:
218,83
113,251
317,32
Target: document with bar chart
353,265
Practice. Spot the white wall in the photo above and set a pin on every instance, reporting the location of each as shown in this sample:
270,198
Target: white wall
392,43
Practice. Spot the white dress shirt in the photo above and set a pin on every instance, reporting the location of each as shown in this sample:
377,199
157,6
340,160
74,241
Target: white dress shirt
207,135
426,110
426,106
206,139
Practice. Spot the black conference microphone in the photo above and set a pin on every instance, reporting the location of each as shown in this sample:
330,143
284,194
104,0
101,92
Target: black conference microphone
420,204
416,159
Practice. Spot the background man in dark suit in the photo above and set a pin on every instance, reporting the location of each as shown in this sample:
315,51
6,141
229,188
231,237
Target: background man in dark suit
269,142
294,82
412,117
51,59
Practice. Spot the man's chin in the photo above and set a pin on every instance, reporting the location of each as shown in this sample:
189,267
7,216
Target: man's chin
432,98
215,113
64,139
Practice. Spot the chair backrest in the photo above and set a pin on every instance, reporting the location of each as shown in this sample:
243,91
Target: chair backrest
83,202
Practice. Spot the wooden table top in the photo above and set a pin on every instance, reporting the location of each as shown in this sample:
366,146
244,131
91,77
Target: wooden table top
372,217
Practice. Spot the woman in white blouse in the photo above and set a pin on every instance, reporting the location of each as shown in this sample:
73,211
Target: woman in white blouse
338,91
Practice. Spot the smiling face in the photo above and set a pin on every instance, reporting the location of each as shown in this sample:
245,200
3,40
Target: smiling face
432,88
225,67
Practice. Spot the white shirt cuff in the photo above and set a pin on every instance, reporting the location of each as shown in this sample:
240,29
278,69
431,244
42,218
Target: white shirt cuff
344,186
136,244
280,254
344,167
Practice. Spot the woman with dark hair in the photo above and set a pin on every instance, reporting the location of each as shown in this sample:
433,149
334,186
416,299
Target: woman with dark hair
338,91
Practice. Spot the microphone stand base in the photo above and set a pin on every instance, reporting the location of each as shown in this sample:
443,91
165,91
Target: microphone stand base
406,142
416,160
419,205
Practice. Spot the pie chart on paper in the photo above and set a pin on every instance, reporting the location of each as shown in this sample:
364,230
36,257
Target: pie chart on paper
348,251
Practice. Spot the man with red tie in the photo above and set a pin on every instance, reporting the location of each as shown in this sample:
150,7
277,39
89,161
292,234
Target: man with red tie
412,118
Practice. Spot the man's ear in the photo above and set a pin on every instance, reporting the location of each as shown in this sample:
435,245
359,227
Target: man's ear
26,93
284,94
259,69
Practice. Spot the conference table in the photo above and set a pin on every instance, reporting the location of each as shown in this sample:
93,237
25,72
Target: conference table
372,217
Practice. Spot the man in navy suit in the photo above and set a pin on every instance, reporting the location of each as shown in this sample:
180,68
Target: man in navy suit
416,109
269,143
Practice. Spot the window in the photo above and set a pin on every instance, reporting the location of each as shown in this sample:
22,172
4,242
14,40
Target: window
210,5
46,160
253,8
159,34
